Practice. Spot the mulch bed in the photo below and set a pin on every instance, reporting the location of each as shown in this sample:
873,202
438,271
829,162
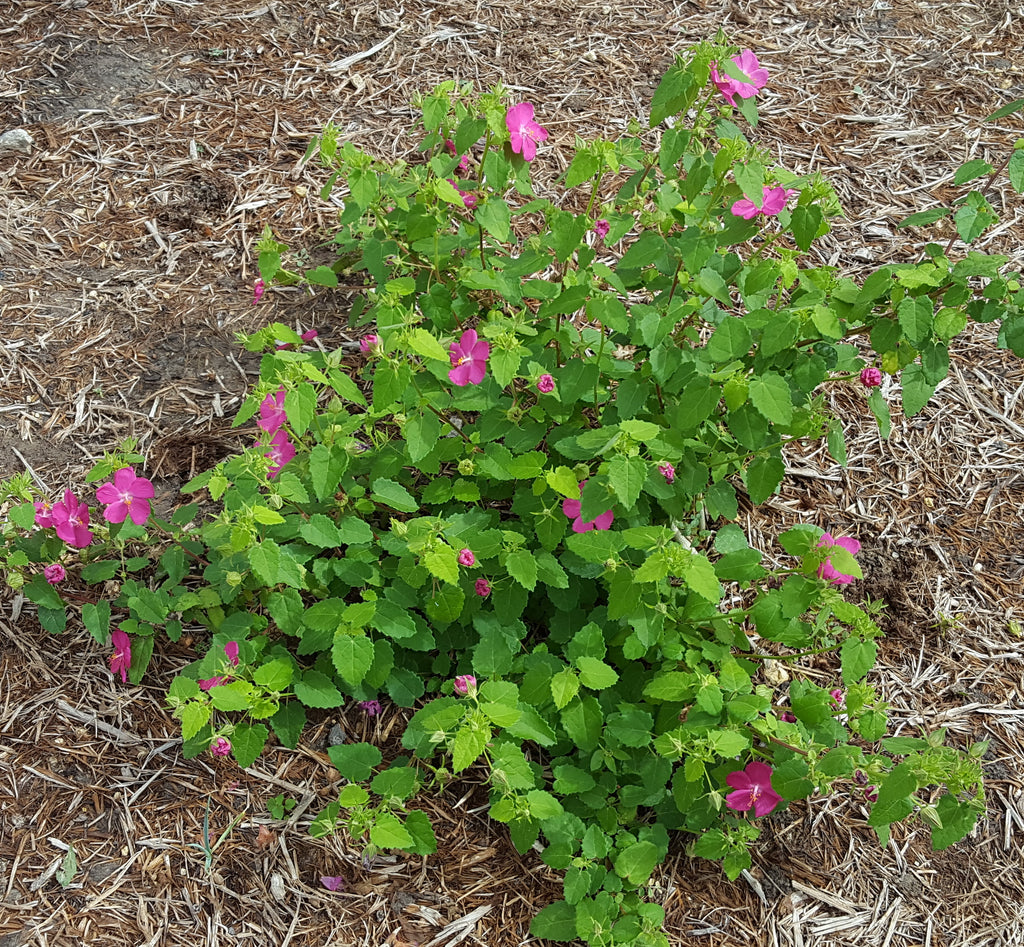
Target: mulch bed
167,134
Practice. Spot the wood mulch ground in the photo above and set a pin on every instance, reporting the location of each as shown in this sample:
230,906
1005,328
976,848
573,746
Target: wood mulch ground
167,133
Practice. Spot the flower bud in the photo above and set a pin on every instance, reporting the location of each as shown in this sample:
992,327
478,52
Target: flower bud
274,501
234,579
399,528
466,467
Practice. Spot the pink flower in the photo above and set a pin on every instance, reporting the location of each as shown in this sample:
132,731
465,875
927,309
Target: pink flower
332,882
44,514
370,707
524,130
466,558
231,650
753,789
128,495
837,696
757,78
121,659
367,343
825,570
773,200
272,414
482,588
469,201
571,508
54,573
281,451
463,164
668,472
871,793
601,228
258,289
871,377
469,359
221,747
450,146
465,684
71,520
210,682
545,384
787,716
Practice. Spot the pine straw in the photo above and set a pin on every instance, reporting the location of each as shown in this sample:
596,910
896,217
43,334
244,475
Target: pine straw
167,134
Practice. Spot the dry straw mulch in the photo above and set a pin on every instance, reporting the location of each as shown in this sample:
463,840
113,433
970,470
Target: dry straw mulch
168,132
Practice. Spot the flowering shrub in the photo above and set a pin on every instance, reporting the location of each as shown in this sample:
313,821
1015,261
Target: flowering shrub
512,511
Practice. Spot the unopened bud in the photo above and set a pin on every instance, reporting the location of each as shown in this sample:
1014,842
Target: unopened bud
398,527
233,579
466,467
274,501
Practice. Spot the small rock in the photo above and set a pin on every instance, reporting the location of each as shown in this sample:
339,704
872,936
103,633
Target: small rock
17,139
336,737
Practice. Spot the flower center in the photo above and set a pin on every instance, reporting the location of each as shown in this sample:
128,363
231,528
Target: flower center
755,793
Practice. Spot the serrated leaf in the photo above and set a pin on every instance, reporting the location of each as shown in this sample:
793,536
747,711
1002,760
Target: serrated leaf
394,495
423,343
388,832
320,531
317,690
352,656
770,394
495,217
469,743
247,742
595,674
193,716
626,476
355,761
442,562
858,657
565,686
924,217
523,568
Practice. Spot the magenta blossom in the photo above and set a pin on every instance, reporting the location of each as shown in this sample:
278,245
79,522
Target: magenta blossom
367,343
524,130
787,716
71,521
370,707
571,508
121,659
306,336
668,472
465,684
258,289
44,514
272,414
757,78
128,495
469,359
281,451
221,747
450,146
332,882
825,570
871,377
545,384
601,228
466,558
773,200
753,789
837,696
482,588
54,573
231,650
871,793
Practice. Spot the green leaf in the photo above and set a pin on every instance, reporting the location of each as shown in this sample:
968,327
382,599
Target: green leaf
770,394
494,215
805,225
522,567
1015,106
924,217
626,476
917,390
858,657
355,761
421,432
763,477
565,686
322,276
469,743
424,842
299,406
673,95
445,604
354,531
194,716
442,562
636,862
894,802
319,530
957,818
423,343
23,515
317,690
915,318
326,465
631,728
971,170
388,832
100,571
247,742
789,779
1015,169
275,675
557,921
974,217
352,656
394,495
97,620
595,674
700,576
729,743
750,177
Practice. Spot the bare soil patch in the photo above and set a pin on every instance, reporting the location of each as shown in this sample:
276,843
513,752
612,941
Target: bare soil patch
167,134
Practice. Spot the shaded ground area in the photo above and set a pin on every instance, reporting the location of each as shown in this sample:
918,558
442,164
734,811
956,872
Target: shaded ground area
167,135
